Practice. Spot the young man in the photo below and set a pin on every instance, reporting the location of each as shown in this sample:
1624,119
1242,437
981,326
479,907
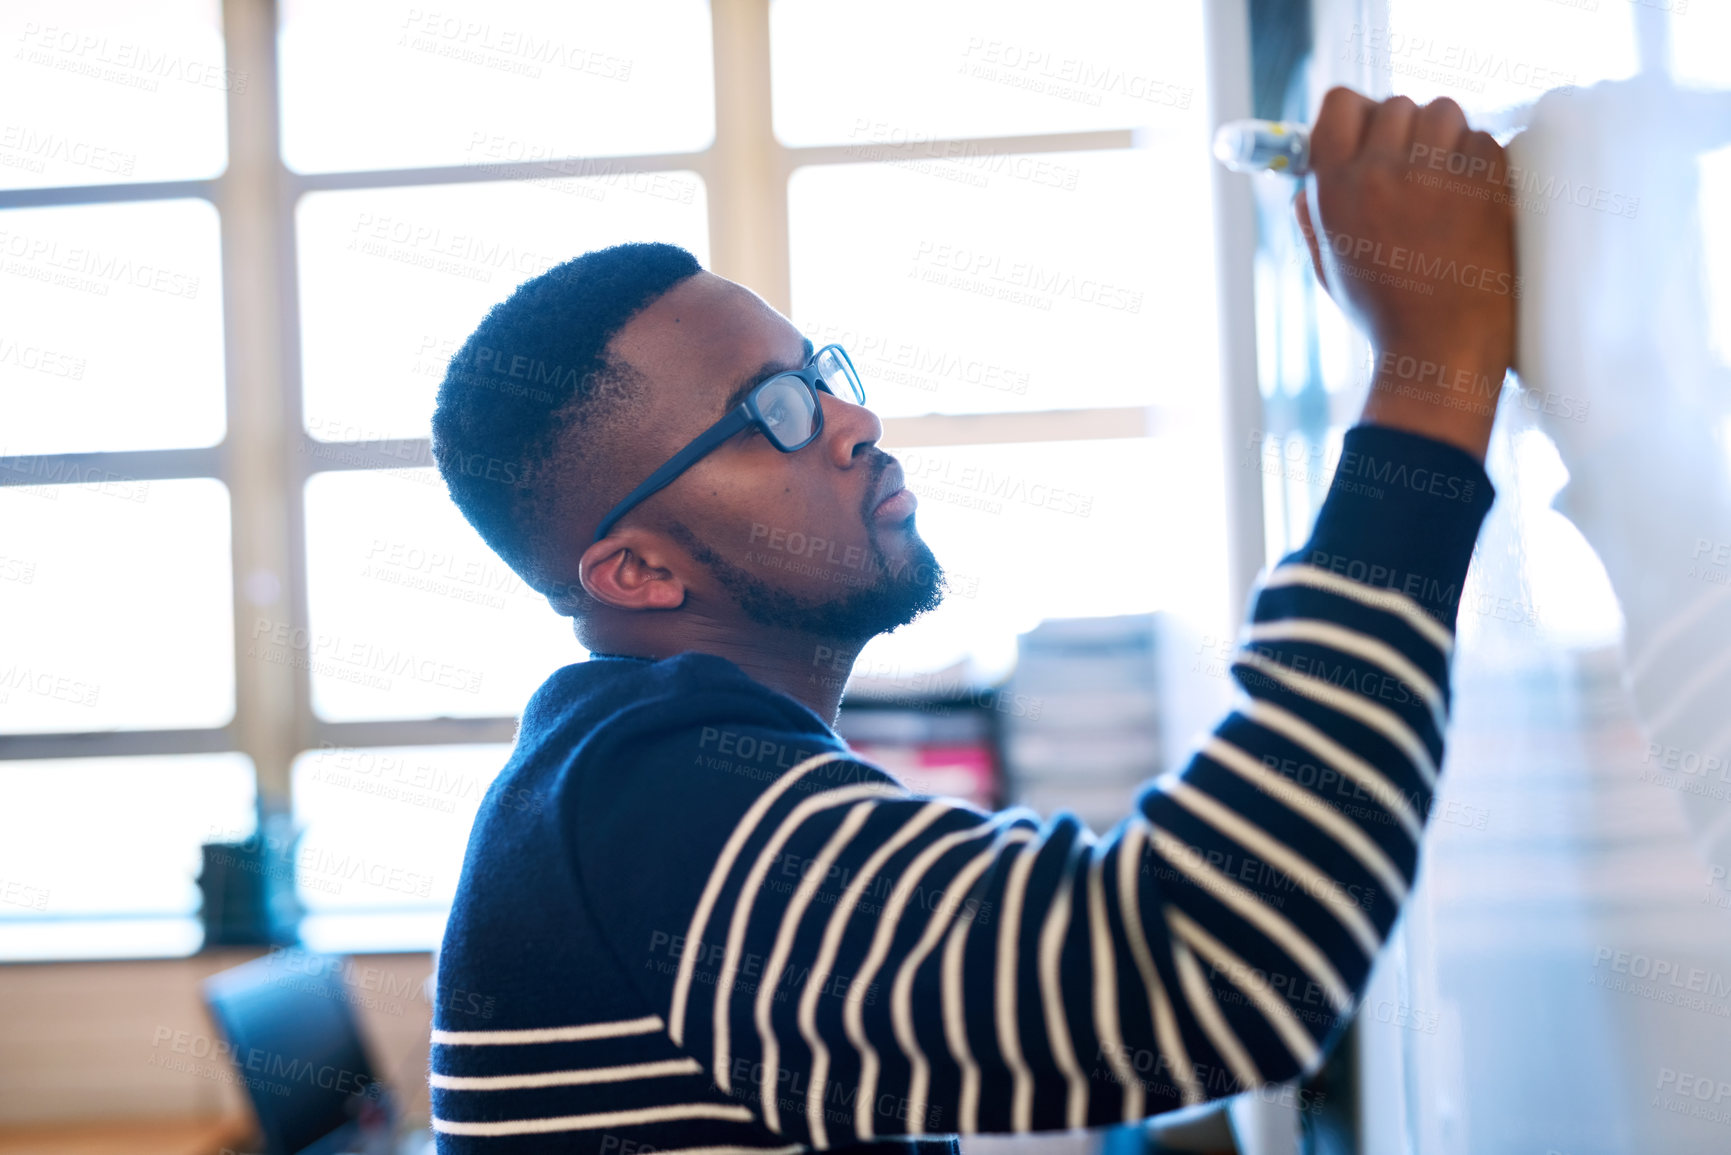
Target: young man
690,919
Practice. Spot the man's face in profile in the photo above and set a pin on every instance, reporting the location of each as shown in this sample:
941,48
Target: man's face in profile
820,540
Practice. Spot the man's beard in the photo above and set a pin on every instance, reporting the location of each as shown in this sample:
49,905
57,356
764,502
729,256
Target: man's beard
880,595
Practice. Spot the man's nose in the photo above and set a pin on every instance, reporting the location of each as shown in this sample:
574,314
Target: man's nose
848,430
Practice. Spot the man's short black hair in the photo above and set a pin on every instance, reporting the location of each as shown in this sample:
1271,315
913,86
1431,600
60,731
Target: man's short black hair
533,371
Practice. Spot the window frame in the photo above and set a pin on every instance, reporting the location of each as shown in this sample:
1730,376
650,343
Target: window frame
267,456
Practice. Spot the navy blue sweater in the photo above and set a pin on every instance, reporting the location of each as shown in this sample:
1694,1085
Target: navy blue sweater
691,918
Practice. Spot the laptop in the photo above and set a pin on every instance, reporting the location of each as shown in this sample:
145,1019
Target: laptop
297,1050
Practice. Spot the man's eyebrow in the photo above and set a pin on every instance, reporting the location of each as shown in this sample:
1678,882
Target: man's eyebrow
767,369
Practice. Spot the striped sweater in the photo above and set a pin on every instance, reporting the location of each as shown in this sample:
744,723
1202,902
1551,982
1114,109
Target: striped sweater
690,919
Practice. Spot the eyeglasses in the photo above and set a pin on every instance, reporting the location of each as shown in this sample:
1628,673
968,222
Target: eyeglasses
786,407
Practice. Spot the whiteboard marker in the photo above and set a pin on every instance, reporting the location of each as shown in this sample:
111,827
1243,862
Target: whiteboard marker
1263,146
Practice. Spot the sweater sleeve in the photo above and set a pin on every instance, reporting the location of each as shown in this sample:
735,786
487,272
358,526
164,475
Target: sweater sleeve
853,962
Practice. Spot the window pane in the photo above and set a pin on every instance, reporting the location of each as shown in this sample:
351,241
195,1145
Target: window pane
385,829
116,605
412,615
1057,281
110,91
868,73
83,837
377,86
111,336
1426,49
1012,524
393,281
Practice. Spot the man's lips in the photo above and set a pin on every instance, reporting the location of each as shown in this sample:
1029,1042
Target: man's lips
894,500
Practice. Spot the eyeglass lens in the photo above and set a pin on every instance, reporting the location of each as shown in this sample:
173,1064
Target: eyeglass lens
788,410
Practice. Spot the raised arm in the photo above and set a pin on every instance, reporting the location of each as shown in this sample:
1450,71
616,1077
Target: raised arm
850,962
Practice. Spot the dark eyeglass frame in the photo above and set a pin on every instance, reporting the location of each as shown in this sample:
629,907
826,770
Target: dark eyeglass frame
742,416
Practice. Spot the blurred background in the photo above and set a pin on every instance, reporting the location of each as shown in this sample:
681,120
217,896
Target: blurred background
256,672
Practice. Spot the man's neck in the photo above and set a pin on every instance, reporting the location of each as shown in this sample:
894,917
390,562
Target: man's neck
810,670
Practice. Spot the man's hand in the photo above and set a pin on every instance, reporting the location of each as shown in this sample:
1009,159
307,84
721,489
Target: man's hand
1411,229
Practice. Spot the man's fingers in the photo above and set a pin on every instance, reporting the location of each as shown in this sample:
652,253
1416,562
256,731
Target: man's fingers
1439,124
1301,207
1390,132
1339,128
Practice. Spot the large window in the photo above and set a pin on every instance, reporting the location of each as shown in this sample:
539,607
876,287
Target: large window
241,242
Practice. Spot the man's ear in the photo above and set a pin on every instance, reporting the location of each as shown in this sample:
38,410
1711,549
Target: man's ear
628,571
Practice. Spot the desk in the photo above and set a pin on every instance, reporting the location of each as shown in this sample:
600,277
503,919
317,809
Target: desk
195,1136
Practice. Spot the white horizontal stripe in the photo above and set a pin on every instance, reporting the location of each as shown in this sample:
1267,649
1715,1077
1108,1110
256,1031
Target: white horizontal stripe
1106,1005
791,917
573,1078
1377,597
712,888
1322,887
1200,1000
1331,753
1250,907
820,971
645,1115
647,1025
1131,863
1048,953
853,1017
1378,718
1243,976
956,1028
1337,637
1009,1033
746,902
1303,802
788,1150
901,989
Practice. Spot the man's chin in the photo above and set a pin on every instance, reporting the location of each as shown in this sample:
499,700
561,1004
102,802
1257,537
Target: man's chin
902,589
